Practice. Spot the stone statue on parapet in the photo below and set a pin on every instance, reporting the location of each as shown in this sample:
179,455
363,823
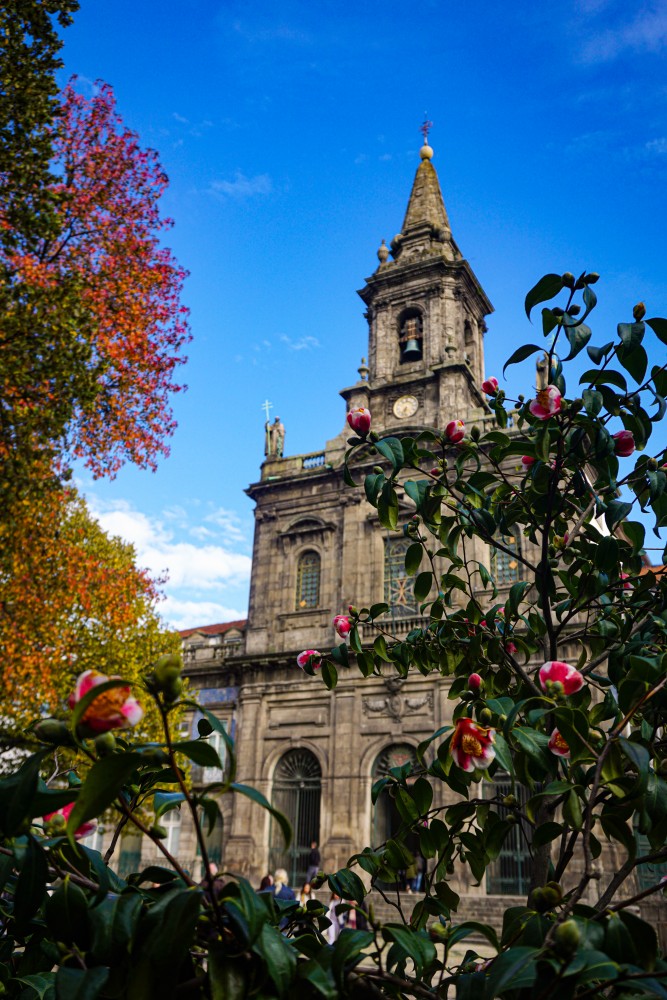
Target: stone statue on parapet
274,438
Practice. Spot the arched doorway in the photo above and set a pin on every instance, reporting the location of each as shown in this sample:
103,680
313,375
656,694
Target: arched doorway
297,789
386,818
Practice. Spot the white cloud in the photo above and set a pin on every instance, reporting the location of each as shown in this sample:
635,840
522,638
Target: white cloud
306,343
200,554
190,614
645,33
242,186
657,146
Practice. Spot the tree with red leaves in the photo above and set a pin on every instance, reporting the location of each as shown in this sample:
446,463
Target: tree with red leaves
92,323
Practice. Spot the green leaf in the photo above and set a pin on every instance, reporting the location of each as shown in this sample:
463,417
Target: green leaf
279,955
417,491
17,793
415,944
606,377
592,401
103,783
607,554
635,360
392,449
617,511
413,558
199,752
546,833
388,507
635,532
66,914
31,883
631,334
596,354
80,984
347,885
42,983
422,586
516,967
659,327
578,336
329,675
546,288
163,802
261,800
521,354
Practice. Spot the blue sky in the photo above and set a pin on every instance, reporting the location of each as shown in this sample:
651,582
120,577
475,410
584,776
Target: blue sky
290,135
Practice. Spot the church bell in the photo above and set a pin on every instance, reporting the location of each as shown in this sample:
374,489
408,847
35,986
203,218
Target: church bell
412,351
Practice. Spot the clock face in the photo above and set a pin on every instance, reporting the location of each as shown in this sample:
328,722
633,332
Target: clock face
406,406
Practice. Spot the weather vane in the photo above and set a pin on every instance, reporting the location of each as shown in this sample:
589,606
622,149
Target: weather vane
425,129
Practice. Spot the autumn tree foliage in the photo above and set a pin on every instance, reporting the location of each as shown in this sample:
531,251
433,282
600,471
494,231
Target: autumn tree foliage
72,599
92,323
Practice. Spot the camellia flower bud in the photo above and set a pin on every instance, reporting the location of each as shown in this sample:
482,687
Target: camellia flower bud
639,312
475,432
527,462
624,443
342,625
105,744
556,672
455,431
359,420
52,731
475,683
547,403
568,279
310,657
490,386
567,937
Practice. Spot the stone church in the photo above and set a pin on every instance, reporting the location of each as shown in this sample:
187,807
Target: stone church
318,547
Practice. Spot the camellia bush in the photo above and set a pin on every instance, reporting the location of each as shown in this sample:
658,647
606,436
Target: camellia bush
558,686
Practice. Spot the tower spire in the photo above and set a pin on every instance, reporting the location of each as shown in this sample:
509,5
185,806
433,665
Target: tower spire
426,224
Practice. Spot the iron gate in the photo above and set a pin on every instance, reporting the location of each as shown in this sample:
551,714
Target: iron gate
297,788
509,874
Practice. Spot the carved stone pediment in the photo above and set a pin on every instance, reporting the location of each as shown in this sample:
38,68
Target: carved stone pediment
394,705
307,529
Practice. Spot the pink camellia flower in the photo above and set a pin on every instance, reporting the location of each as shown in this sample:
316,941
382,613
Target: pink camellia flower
312,656
113,709
342,625
555,671
511,648
624,443
490,386
455,431
472,745
359,420
475,683
527,462
83,831
626,581
558,745
546,403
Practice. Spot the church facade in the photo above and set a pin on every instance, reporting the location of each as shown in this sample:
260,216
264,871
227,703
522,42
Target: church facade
318,547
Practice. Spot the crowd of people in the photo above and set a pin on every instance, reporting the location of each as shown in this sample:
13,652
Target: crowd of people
339,916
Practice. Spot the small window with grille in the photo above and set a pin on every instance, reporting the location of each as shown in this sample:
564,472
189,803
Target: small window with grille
308,581
398,586
505,566
509,874
171,822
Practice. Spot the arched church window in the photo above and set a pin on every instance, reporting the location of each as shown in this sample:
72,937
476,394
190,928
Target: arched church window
297,789
505,567
398,586
509,874
411,336
308,581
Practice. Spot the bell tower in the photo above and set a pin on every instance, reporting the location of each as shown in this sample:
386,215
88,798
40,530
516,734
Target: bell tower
425,311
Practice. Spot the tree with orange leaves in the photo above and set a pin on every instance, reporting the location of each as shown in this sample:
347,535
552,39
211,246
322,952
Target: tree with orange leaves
72,599
91,322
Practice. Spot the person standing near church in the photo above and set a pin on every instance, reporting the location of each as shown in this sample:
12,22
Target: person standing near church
314,861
